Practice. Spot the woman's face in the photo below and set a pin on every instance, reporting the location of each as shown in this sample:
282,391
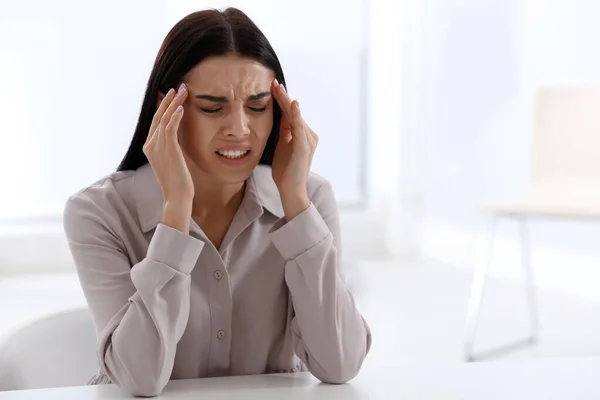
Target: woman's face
228,117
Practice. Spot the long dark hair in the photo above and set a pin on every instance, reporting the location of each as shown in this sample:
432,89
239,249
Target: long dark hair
197,36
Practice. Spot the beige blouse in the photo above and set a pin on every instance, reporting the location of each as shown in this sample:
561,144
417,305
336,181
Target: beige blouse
168,305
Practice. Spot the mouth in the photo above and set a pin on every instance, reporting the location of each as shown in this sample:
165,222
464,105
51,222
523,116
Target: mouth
234,158
233,154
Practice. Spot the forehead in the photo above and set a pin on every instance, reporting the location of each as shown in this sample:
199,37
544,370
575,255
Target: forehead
230,76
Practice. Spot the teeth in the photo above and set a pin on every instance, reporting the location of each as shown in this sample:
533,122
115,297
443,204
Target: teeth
233,153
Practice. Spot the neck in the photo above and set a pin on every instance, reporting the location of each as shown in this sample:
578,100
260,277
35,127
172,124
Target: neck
216,199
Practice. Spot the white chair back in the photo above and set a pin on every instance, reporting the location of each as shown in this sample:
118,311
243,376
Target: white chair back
56,351
566,145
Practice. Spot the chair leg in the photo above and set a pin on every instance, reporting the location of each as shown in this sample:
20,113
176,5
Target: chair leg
477,290
477,294
528,280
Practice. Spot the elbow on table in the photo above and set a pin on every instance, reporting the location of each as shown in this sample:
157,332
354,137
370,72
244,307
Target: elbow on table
145,385
337,373
145,388
337,376
341,369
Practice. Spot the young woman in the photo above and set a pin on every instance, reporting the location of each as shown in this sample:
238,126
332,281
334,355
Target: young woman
213,250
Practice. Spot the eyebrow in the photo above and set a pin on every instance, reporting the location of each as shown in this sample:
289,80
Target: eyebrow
220,99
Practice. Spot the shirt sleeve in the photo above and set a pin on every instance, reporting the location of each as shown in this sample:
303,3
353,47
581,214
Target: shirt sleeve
332,337
140,311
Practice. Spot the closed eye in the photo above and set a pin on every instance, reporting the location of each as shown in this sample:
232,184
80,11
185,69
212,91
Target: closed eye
255,109
211,111
216,110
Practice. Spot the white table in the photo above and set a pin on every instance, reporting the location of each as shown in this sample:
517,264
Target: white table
564,379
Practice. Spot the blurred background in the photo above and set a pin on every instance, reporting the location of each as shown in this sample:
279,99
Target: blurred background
424,110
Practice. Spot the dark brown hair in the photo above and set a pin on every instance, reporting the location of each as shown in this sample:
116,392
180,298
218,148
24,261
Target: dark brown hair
197,36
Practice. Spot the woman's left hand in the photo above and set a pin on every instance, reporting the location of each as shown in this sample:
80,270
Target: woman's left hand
293,155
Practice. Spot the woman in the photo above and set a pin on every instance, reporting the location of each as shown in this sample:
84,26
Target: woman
213,250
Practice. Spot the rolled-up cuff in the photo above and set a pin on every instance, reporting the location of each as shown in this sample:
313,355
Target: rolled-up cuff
174,248
300,234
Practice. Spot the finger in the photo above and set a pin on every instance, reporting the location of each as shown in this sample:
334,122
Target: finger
297,123
312,138
166,101
285,128
178,100
173,126
314,141
282,98
300,131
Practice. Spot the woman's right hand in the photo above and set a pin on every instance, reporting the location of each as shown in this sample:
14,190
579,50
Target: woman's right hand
168,163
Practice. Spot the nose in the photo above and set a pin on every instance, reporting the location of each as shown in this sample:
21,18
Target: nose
237,123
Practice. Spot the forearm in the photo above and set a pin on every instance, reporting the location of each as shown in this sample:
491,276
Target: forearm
177,214
294,204
333,337
137,347
330,329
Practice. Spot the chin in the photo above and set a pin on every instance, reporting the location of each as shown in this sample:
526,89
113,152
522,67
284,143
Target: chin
228,175
223,172
231,179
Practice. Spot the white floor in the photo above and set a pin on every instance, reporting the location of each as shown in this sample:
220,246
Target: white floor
416,312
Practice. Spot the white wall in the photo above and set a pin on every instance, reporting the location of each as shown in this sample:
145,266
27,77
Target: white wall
78,83
85,78
483,60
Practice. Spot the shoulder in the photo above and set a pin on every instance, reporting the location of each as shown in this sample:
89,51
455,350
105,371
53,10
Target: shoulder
105,191
109,183
320,190
317,183
98,204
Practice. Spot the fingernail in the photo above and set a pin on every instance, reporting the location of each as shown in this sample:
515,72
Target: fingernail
282,87
181,89
170,92
179,108
276,81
